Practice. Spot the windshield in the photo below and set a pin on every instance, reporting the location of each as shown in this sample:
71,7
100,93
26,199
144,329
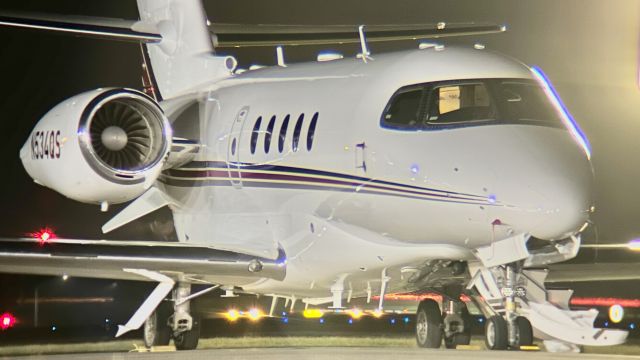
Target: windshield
526,101
462,103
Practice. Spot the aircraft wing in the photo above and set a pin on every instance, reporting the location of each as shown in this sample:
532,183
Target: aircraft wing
112,259
593,272
243,35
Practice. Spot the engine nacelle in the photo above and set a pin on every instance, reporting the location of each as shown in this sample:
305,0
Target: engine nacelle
104,145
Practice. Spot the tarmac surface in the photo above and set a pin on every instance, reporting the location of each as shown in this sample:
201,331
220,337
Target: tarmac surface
331,353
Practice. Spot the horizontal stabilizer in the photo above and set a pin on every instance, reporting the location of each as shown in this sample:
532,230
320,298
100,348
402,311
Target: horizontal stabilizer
242,35
104,28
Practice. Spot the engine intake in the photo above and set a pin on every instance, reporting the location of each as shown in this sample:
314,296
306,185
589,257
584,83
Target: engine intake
122,134
101,145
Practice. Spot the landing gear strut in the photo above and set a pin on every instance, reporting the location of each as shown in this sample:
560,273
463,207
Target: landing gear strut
186,329
505,328
457,324
161,326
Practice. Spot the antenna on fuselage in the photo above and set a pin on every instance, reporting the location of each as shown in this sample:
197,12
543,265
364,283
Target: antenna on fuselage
280,56
363,45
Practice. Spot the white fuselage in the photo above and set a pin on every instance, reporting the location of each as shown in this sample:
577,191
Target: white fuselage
362,198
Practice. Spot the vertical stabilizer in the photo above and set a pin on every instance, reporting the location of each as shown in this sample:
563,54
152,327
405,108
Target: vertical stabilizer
185,57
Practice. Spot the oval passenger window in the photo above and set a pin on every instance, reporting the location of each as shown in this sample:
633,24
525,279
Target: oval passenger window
267,135
283,133
254,135
296,133
312,131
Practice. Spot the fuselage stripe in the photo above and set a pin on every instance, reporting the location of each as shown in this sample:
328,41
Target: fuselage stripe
194,175
221,165
201,182
220,174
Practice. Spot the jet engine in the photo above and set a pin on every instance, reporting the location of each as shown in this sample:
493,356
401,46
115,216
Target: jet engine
102,146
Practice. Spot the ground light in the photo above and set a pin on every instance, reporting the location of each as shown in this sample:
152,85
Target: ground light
355,313
616,313
634,245
7,320
312,313
254,314
232,315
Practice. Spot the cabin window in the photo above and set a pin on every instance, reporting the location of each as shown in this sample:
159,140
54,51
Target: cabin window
283,133
455,103
311,131
296,133
254,135
403,111
268,133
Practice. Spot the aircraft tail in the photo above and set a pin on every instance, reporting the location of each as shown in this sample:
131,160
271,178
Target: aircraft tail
185,57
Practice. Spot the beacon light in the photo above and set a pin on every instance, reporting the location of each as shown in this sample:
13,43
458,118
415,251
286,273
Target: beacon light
7,320
44,235
312,313
562,110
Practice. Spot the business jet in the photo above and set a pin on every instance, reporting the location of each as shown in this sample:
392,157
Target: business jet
454,170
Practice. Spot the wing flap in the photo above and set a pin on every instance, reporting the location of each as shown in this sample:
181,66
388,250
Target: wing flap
109,259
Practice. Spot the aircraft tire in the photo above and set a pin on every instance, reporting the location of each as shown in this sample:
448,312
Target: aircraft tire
156,330
496,334
429,325
464,337
188,340
525,332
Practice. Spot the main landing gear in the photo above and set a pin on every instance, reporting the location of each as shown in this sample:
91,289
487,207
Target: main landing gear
453,325
166,323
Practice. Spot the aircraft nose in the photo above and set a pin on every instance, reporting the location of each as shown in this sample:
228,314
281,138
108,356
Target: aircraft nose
550,190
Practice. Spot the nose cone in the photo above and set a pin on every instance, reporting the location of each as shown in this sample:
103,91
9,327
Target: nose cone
547,193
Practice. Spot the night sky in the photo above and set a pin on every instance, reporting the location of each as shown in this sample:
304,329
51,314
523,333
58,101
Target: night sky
589,49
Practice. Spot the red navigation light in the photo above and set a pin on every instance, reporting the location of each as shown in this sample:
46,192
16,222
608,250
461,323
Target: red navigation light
7,321
44,235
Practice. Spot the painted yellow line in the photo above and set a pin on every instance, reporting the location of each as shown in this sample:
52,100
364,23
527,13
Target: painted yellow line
530,347
469,347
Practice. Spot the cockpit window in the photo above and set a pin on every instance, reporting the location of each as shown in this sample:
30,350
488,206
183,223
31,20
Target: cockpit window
526,101
451,104
461,103
403,111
